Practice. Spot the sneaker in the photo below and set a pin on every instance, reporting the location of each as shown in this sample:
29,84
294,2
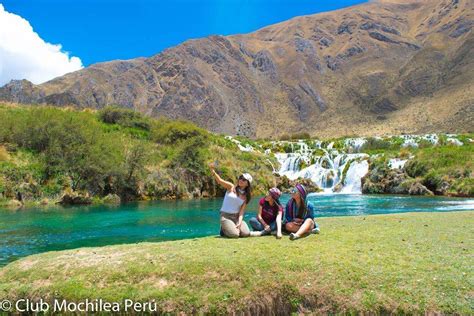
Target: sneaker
293,236
264,232
316,229
255,234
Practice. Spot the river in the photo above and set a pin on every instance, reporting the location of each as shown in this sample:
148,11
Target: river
36,230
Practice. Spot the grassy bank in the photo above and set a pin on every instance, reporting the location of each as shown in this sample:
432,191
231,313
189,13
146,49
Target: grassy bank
402,263
47,152
436,170
50,154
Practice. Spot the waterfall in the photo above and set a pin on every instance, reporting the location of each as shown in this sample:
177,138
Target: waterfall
356,171
333,171
337,167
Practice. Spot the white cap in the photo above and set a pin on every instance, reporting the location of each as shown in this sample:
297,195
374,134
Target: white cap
247,177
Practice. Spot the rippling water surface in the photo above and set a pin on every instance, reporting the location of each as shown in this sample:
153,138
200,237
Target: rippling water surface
35,230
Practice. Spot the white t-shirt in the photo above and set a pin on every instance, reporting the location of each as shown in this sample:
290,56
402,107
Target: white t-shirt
232,203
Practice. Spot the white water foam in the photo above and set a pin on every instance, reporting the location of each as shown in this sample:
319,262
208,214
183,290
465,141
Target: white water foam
333,172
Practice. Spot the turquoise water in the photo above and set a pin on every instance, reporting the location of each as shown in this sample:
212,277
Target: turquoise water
26,232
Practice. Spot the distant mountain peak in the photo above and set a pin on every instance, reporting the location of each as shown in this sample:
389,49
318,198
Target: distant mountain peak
383,67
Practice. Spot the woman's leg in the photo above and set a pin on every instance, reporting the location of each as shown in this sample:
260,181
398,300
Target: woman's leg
292,227
307,226
244,230
228,228
256,225
273,226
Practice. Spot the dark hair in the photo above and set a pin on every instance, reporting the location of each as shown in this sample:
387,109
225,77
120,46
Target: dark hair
248,191
302,208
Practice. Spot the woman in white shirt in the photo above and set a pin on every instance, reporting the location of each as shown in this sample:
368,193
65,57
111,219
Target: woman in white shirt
233,207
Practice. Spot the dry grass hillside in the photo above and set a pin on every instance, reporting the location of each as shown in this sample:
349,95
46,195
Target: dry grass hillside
384,67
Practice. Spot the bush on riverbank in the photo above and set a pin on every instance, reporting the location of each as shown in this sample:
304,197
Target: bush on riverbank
45,151
380,264
113,151
442,170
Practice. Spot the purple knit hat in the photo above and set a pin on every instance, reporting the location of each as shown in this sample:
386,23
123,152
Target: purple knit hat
275,194
302,190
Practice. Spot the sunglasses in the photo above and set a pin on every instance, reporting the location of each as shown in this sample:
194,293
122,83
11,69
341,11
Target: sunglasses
242,178
293,191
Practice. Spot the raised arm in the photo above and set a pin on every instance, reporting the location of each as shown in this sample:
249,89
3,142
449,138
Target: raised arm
225,184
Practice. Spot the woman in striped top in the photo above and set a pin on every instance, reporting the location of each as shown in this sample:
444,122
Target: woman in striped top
299,213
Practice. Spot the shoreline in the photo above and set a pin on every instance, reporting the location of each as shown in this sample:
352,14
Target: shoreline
216,235
353,266
38,204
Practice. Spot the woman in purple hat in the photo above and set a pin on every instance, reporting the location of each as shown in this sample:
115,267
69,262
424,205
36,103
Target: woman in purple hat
269,216
299,214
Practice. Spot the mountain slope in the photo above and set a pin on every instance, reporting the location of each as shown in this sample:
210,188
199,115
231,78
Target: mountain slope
384,67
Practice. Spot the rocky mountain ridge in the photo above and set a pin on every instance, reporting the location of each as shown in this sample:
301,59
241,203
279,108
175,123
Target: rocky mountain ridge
384,67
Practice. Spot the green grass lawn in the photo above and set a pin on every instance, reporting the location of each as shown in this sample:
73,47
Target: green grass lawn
402,263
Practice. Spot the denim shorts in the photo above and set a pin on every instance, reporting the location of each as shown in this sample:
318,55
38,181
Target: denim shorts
257,226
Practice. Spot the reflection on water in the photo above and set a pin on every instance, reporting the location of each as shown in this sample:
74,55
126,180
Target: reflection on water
25,232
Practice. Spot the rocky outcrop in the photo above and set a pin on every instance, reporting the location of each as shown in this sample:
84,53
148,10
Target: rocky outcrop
383,38
75,198
111,199
14,204
264,63
360,70
419,189
382,179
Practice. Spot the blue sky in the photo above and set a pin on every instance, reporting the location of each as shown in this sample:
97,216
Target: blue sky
102,30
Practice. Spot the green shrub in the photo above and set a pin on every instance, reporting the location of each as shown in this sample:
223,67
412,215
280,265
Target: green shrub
170,132
192,155
442,140
467,173
432,180
302,164
18,174
339,144
375,143
4,156
124,117
415,168
68,143
136,157
86,156
53,186
221,141
423,143
396,142
464,187
246,156
287,148
302,135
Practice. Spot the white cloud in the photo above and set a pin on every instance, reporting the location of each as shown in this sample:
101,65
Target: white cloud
24,55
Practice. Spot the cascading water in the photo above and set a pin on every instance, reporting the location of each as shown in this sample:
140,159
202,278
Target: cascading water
331,170
337,171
